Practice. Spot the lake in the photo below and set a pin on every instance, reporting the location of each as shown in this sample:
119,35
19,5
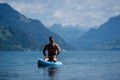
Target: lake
83,65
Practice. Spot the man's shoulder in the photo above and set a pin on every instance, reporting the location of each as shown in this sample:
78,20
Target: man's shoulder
47,45
56,44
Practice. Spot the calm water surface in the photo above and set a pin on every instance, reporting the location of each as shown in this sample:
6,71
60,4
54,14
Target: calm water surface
87,65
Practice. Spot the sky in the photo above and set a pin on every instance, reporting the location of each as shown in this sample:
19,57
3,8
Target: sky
85,13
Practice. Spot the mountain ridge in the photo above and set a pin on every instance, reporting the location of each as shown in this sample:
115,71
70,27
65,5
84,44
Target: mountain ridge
68,32
32,27
10,39
103,38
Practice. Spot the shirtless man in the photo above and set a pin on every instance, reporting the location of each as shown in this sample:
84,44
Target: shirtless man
53,50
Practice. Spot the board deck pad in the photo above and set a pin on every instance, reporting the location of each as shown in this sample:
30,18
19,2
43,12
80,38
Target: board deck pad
43,63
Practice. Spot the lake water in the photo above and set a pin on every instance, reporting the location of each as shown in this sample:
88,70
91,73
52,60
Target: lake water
84,65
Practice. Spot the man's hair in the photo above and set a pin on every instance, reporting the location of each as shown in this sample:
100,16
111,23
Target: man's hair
50,37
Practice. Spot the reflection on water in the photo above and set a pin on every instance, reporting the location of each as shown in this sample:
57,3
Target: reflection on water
50,73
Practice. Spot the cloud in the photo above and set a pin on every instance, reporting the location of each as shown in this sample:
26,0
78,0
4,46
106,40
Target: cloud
28,7
59,14
90,13
86,12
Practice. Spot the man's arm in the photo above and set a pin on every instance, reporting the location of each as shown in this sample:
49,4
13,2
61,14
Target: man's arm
44,50
58,49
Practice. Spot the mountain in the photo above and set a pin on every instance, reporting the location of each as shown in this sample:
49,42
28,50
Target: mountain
69,33
106,37
16,39
11,18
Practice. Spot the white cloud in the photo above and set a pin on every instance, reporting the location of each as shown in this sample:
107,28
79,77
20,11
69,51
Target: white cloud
2,1
86,12
59,14
28,7
82,12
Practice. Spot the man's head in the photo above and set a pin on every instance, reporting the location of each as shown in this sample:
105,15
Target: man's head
51,39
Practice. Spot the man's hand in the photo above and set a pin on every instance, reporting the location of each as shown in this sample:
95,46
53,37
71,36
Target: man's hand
46,58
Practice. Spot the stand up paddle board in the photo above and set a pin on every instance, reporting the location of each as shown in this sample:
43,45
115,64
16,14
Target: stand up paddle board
43,63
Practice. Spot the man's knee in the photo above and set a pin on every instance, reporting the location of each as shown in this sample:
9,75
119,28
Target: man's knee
46,58
54,59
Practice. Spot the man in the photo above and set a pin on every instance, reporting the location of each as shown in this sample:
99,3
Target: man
53,50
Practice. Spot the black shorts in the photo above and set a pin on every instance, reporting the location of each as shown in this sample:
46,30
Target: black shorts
51,57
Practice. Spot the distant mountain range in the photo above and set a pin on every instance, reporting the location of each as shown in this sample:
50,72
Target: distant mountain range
106,37
19,33
24,33
69,33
